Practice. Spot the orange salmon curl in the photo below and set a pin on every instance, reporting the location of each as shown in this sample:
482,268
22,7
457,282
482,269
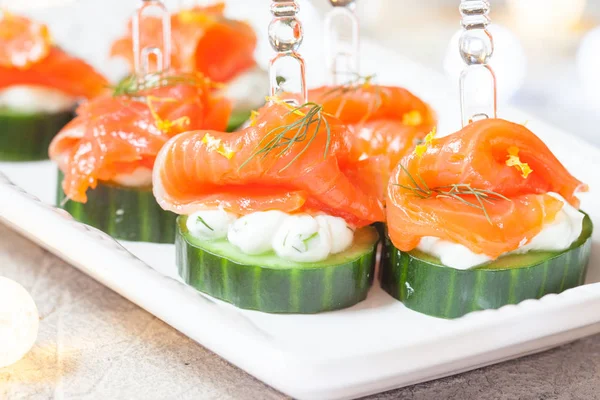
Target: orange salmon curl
276,163
509,168
384,120
204,40
28,57
115,135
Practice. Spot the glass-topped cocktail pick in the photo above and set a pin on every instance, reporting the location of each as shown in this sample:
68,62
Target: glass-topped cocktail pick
342,38
147,55
477,80
286,69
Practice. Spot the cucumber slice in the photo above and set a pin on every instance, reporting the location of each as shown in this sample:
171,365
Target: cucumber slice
237,119
420,281
124,213
26,136
269,284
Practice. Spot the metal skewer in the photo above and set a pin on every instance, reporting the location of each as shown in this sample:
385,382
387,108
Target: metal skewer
476,46
286,69
342,38
142,57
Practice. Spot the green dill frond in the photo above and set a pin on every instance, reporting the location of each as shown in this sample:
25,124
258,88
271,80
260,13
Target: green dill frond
135,86
462,192
203,222
308,239
281,139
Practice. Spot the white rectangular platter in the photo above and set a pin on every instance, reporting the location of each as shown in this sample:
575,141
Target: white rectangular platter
374,346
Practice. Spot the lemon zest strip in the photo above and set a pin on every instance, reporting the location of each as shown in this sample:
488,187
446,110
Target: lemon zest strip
513,160
422,148
214,144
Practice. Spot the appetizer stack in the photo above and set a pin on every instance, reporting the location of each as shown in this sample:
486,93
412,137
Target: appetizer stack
273,217
486,216
481,218
278,215
111,145
219,48
40,86
107,152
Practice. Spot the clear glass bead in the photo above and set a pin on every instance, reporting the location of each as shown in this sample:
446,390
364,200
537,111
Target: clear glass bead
476,46
284,8
286,69
474,7
285,34
475,14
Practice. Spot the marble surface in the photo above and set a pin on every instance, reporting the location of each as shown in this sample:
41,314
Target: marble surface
94,344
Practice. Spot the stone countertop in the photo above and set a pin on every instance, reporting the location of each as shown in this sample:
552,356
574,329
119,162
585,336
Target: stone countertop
94,344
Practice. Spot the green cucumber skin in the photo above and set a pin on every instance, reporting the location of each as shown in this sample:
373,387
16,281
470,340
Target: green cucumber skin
237,119
26,137
271,290
445,292
123,213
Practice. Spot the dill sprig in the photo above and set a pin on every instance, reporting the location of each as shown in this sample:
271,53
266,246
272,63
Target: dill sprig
135,86
203,222
456,191
282,138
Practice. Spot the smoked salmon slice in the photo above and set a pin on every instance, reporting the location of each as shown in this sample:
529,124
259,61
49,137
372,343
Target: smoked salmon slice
484,187
60,71
22,42
27,57
289,160
115,135
203,40
384,120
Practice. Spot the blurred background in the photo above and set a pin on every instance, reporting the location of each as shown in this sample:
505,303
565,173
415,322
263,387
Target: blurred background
547,54
547,57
